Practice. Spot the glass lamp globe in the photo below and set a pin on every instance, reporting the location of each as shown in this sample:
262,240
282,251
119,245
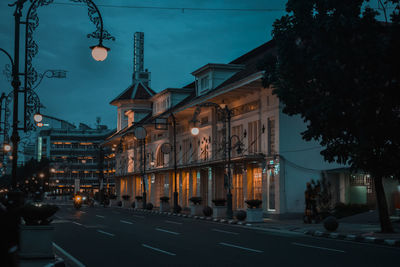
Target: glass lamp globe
7,148
99,52
37,117
195,131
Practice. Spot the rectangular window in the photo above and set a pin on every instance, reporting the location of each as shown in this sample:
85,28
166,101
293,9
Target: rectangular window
271,136
204,83
257,183
186,151
254,136
237,136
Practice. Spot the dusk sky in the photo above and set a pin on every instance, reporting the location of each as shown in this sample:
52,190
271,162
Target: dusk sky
177,42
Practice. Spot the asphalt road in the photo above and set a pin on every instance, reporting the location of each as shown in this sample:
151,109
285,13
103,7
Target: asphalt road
117,237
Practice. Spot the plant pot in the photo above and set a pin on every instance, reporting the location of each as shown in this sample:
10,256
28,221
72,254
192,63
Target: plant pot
36,241
254,215
196,210
126,204
113,202
139,204
219,212
164,207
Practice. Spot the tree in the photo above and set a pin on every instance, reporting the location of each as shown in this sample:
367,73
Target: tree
338,67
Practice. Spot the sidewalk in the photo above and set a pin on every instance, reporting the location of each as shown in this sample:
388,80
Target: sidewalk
363,227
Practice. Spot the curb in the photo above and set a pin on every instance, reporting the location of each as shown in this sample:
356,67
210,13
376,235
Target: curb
357,238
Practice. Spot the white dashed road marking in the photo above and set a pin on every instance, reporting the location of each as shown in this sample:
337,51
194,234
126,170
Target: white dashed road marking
125,222
159,250
100,216
240,247
166,231
226,232
77,223
105,233
309,246
173,222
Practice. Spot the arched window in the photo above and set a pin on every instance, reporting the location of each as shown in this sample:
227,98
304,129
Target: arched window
159,157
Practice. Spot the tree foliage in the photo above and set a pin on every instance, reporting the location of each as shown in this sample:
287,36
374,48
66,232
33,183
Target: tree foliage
338,67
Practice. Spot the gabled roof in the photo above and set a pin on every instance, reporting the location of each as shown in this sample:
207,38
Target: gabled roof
137,91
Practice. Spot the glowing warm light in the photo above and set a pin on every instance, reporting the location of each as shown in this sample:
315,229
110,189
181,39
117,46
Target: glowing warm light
99,52
7,148
37,117
195,131
41,175
52,170
39,124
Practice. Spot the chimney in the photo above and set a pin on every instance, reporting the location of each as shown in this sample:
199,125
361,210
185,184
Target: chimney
138,60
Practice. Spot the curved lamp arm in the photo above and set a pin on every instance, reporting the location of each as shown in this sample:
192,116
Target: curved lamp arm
8,55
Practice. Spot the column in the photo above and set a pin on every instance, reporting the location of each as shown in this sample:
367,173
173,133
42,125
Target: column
198,181
190,184
244,185
264,183
179,181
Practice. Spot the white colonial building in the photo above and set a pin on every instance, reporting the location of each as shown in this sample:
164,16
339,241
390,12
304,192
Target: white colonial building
274,163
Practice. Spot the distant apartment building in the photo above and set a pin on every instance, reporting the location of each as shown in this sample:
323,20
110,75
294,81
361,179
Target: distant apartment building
77,162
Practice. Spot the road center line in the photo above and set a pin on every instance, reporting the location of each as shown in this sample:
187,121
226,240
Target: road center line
166,231
159,250
105,233
100,216
240,247
173,222
77,223
222,231
125,222
138,216
309,246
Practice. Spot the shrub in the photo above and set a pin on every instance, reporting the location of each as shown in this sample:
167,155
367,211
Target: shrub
219,201
331,224
164,199
178,209
38,215
149,206
126,197
119,203
139,198
343,210
241,215
207,211
195,200
253,203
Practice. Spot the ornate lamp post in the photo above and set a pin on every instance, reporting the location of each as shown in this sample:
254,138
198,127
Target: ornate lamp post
225,112
99,53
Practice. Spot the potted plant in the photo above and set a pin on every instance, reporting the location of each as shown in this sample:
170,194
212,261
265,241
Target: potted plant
254,210
241,215
219,208
36,235
207,211
113,200
195,208
125,201
164,204
139,202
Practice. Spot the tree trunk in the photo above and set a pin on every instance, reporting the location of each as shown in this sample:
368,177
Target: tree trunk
386,225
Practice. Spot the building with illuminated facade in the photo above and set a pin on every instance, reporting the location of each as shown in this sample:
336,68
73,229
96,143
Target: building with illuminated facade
273,163
77,162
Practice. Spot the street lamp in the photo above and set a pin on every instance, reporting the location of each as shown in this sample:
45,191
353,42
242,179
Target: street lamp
31,49
99,52
7,148
227,141
37,117
140,133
